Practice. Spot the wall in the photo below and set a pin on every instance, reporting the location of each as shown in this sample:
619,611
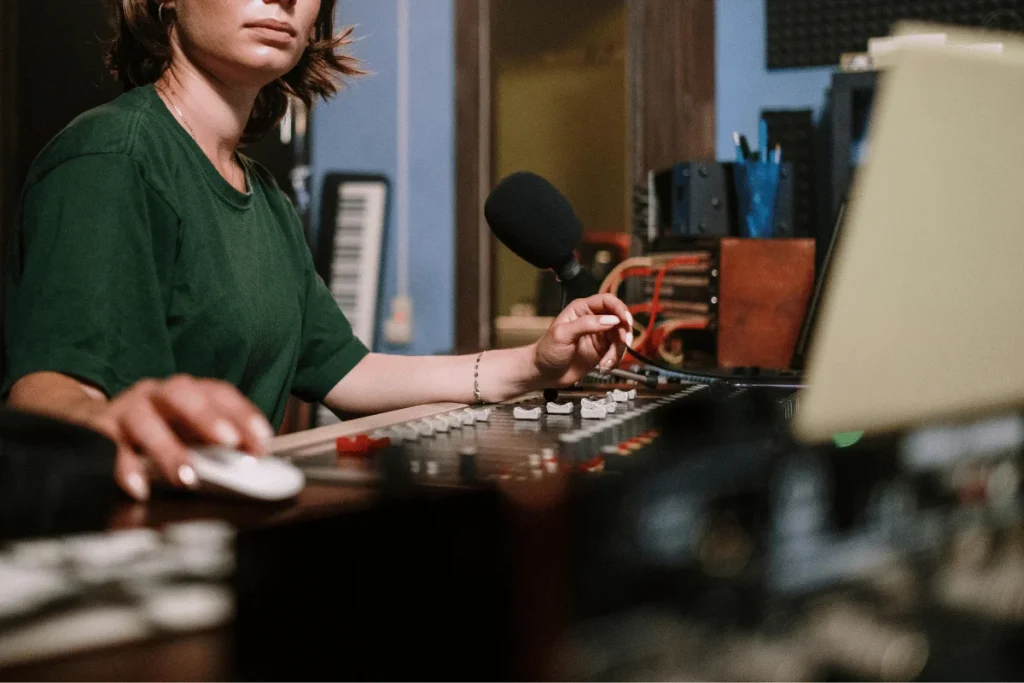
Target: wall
744,86
357,132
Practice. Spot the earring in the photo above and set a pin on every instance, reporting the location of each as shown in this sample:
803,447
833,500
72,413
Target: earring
160,12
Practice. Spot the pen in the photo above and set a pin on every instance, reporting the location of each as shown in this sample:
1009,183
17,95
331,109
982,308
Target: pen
740,158
778,154
744,147
763,139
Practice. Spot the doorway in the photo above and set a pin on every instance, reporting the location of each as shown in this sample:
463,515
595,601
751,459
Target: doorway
524,68
559,110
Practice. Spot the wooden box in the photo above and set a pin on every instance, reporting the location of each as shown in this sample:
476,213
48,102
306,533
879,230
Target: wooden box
764,289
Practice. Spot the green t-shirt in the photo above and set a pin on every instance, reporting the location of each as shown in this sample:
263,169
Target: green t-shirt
135,259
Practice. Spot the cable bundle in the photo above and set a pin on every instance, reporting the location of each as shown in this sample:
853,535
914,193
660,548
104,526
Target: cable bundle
653,336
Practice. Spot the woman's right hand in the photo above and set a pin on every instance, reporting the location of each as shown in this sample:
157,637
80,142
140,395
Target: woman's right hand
159,419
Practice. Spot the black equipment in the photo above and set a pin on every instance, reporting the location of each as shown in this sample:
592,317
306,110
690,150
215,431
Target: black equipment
698,199
538,224
55,478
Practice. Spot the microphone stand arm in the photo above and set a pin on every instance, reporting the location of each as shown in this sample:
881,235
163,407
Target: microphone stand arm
576,281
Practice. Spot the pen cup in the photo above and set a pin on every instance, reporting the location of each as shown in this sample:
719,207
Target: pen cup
757,195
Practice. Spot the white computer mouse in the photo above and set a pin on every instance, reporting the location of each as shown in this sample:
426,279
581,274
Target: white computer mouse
223,470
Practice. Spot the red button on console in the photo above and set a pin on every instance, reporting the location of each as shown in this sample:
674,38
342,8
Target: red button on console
357,445
360,445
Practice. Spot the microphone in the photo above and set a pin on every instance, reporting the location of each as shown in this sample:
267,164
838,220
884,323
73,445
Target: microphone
533,219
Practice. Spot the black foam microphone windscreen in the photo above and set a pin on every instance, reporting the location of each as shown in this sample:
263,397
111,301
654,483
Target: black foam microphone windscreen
534,220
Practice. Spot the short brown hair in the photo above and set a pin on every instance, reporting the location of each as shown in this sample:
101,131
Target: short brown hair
141,52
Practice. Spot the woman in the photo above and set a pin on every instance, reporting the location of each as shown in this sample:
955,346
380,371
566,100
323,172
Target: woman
159,288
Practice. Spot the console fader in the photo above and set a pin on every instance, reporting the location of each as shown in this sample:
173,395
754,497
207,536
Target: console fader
529,438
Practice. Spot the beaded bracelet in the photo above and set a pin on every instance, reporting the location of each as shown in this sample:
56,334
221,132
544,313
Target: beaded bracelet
476,379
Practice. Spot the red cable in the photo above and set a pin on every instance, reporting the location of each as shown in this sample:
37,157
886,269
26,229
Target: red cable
688,260
657,295
645,309
653,307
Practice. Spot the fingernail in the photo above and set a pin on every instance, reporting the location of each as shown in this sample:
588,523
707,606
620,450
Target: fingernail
188,477
264,432
629,318
226,433
606,365
137,486
629,339
609,320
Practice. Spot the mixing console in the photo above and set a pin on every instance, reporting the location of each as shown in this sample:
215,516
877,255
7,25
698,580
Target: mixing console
694,540
589,430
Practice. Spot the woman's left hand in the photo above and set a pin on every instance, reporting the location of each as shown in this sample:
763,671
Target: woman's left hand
587,333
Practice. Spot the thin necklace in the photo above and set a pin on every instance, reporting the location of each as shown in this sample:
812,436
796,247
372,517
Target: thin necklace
184,120
167,97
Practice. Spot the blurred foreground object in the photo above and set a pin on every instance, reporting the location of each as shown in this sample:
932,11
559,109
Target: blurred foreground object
55,478
922,317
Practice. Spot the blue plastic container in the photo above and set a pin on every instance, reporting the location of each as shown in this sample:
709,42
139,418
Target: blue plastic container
757,195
